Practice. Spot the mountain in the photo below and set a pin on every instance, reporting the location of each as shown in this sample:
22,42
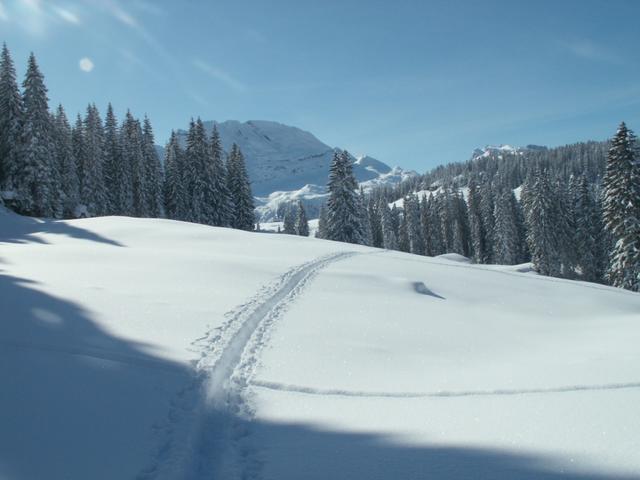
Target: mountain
155,349
285,159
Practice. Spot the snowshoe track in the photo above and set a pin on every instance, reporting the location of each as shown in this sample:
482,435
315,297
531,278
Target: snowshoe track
204,435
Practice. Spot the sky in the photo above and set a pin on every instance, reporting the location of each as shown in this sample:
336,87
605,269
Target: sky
413,83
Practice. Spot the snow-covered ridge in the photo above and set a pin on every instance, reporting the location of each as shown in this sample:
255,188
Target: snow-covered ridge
501,150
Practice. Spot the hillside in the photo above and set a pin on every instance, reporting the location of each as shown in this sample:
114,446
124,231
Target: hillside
141,348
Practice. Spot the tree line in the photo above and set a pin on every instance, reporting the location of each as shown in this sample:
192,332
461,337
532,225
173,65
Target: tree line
587,227
52,169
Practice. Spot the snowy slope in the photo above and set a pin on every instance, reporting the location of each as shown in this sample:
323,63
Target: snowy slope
286,159
137,348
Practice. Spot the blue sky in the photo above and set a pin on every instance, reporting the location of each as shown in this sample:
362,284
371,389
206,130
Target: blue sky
413,83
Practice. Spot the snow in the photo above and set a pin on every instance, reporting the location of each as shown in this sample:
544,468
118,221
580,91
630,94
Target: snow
139,348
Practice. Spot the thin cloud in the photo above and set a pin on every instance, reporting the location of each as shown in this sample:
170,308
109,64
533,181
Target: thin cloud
67,15
3,13
220,75
589,50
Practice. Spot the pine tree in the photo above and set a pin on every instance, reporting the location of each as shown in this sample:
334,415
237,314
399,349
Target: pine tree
34,176
114,174
152,172
389,238
322,223
302,224
11,117
219,201
476,224
506,235
375,223
414,227
589,233
404,243
174,190
622,209
542,226
243,216
487,209
289,220
133,165
66,164
92,187
344,217
426,226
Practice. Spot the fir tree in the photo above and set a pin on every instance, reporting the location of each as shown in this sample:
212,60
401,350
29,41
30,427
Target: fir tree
114,174
476,224
34,176
389,238
404,243
322,223
289,221
219,201
11,117
414,227
506,235
344,215
133,163
66,164
375,222
589,233
92,187
153,175
174,190
622,209
302,224
243,216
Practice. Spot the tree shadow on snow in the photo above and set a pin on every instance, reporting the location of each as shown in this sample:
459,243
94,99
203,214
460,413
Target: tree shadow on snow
75,401
18,229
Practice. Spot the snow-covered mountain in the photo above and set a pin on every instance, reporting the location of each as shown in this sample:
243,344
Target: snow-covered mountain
156,349
500,150
285,162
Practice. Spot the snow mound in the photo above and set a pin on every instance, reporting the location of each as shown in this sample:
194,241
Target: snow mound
454,257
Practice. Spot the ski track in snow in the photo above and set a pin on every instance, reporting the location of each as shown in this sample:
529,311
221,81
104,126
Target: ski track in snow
204,435
446,394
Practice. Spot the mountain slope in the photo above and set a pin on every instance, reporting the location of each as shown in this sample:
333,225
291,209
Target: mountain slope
284,158
140,348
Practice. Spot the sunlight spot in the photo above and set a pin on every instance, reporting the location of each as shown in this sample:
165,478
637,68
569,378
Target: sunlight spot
86,65
45,316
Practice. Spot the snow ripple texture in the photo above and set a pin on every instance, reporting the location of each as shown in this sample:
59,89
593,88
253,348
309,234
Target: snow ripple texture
205,435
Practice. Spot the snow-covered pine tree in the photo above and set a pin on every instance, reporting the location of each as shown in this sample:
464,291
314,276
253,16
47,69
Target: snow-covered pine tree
92,187
302,223
243,216
476,225
622,209
219,201
174,191
389,238
589,234
375,223
113,184
506,236
404,243
133,163
542,226
425,226
289,220
11,116
152,171
438,246
344,218
322,222
367,233
414,228
66,164
487,209
34,180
